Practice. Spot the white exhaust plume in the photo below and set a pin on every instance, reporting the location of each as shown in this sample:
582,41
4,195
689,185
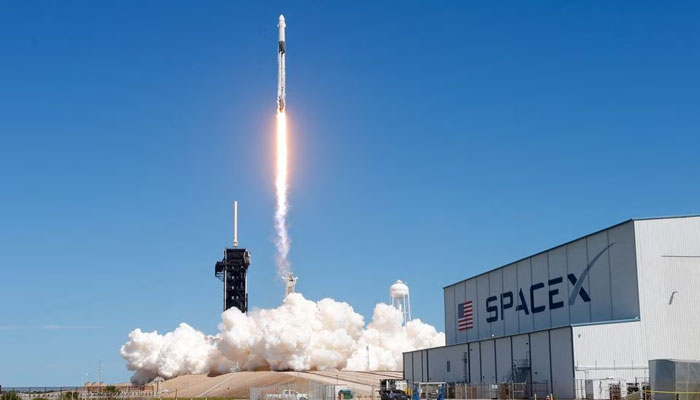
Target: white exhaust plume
386,338
298,335
183,351
282,239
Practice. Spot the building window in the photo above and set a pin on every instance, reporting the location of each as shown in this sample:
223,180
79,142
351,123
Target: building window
448,366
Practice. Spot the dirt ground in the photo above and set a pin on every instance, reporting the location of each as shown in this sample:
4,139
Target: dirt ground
238,384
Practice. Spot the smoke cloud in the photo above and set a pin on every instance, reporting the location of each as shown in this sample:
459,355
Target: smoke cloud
298,335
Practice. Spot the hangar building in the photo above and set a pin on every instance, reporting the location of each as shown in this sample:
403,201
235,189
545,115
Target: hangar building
572,319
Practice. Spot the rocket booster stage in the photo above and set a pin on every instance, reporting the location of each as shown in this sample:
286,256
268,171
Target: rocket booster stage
281,50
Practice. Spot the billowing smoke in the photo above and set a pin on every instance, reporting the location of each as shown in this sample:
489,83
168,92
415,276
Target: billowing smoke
385,339
298,335
182,351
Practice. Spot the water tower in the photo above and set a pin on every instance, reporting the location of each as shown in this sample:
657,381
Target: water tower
398,292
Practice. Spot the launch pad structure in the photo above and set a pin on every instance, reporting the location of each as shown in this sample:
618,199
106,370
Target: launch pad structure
232,270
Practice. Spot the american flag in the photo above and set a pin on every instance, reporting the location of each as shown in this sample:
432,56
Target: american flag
465,316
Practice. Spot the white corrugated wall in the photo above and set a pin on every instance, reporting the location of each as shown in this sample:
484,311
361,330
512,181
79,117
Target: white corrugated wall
561,354
450,315
488,361
668,255
504,360
474,362
548,353
408,366
614,350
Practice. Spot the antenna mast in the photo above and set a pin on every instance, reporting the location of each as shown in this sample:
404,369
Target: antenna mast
235,224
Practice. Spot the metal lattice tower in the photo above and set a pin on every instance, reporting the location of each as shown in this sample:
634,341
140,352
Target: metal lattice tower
233,271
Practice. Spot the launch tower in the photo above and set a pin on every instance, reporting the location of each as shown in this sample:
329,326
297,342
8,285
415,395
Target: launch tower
233,270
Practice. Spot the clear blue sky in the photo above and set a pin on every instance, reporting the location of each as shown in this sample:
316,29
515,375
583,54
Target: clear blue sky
429,142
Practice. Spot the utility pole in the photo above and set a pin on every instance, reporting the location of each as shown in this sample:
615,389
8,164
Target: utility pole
367,348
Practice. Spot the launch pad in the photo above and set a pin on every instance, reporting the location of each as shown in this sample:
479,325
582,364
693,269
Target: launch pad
232,271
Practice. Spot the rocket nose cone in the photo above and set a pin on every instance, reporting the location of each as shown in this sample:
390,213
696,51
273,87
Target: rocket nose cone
281,18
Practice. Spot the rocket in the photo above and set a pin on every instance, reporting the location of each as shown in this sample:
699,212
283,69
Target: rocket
281,49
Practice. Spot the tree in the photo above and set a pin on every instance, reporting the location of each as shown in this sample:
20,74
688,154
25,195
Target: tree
111,390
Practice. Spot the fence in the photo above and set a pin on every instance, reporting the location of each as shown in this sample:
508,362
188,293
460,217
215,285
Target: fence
307,390
614,389
80,392
509,390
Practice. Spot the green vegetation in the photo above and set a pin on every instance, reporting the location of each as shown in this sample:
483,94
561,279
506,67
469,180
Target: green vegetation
70,396
111,390
10,396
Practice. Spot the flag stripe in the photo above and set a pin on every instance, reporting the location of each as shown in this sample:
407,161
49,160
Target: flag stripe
465,315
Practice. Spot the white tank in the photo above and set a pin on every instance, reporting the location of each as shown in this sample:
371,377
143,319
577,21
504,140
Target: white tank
399,297
398,289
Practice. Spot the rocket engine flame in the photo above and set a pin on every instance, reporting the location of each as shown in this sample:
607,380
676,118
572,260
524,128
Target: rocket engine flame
282,240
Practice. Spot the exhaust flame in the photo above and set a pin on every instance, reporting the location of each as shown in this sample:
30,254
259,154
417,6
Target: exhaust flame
282,240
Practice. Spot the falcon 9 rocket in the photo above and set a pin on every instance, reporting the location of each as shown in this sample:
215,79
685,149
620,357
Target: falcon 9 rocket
281,50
